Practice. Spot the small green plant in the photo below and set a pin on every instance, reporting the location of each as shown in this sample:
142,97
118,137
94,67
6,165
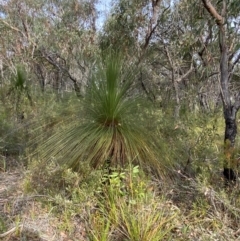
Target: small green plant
2,225
128,209
3,164
151,221
101,228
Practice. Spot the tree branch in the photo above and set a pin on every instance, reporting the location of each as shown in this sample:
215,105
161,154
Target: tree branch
237,58
153,22
211,9
206,43
185,75
13,28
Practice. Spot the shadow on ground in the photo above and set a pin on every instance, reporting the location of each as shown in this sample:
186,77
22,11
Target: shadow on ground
24,235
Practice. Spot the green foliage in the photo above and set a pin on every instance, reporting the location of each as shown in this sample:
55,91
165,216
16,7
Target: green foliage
129,210
119,28
129,206
19,88
12,135
15,99
126,183
150,222
196,141
53,179
108,124
112,122
2,225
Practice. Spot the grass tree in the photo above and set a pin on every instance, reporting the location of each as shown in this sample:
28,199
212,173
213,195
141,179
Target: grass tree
111,124
19,88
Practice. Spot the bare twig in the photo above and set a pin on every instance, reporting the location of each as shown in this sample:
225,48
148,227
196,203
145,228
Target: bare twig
10,231
12,27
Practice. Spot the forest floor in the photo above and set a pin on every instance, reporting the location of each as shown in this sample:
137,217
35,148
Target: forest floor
23,217
27,217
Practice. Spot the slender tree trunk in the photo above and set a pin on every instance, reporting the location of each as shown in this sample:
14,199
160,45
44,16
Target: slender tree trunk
229,109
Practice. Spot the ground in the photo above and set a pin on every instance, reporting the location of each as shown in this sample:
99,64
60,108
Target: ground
23,217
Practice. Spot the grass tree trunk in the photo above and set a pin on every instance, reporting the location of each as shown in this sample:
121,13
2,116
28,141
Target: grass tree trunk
230,108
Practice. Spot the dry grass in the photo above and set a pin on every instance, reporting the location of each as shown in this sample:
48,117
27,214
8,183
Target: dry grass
26,216
194,212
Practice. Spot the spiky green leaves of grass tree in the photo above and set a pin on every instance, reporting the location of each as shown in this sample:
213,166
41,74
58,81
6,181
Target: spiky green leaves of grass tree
111,124
19,88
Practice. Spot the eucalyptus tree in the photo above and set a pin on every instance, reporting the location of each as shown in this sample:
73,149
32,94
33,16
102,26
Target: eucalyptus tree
196,40
53,39
225,15
183,57
73,25
122,28
131,28
165,39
